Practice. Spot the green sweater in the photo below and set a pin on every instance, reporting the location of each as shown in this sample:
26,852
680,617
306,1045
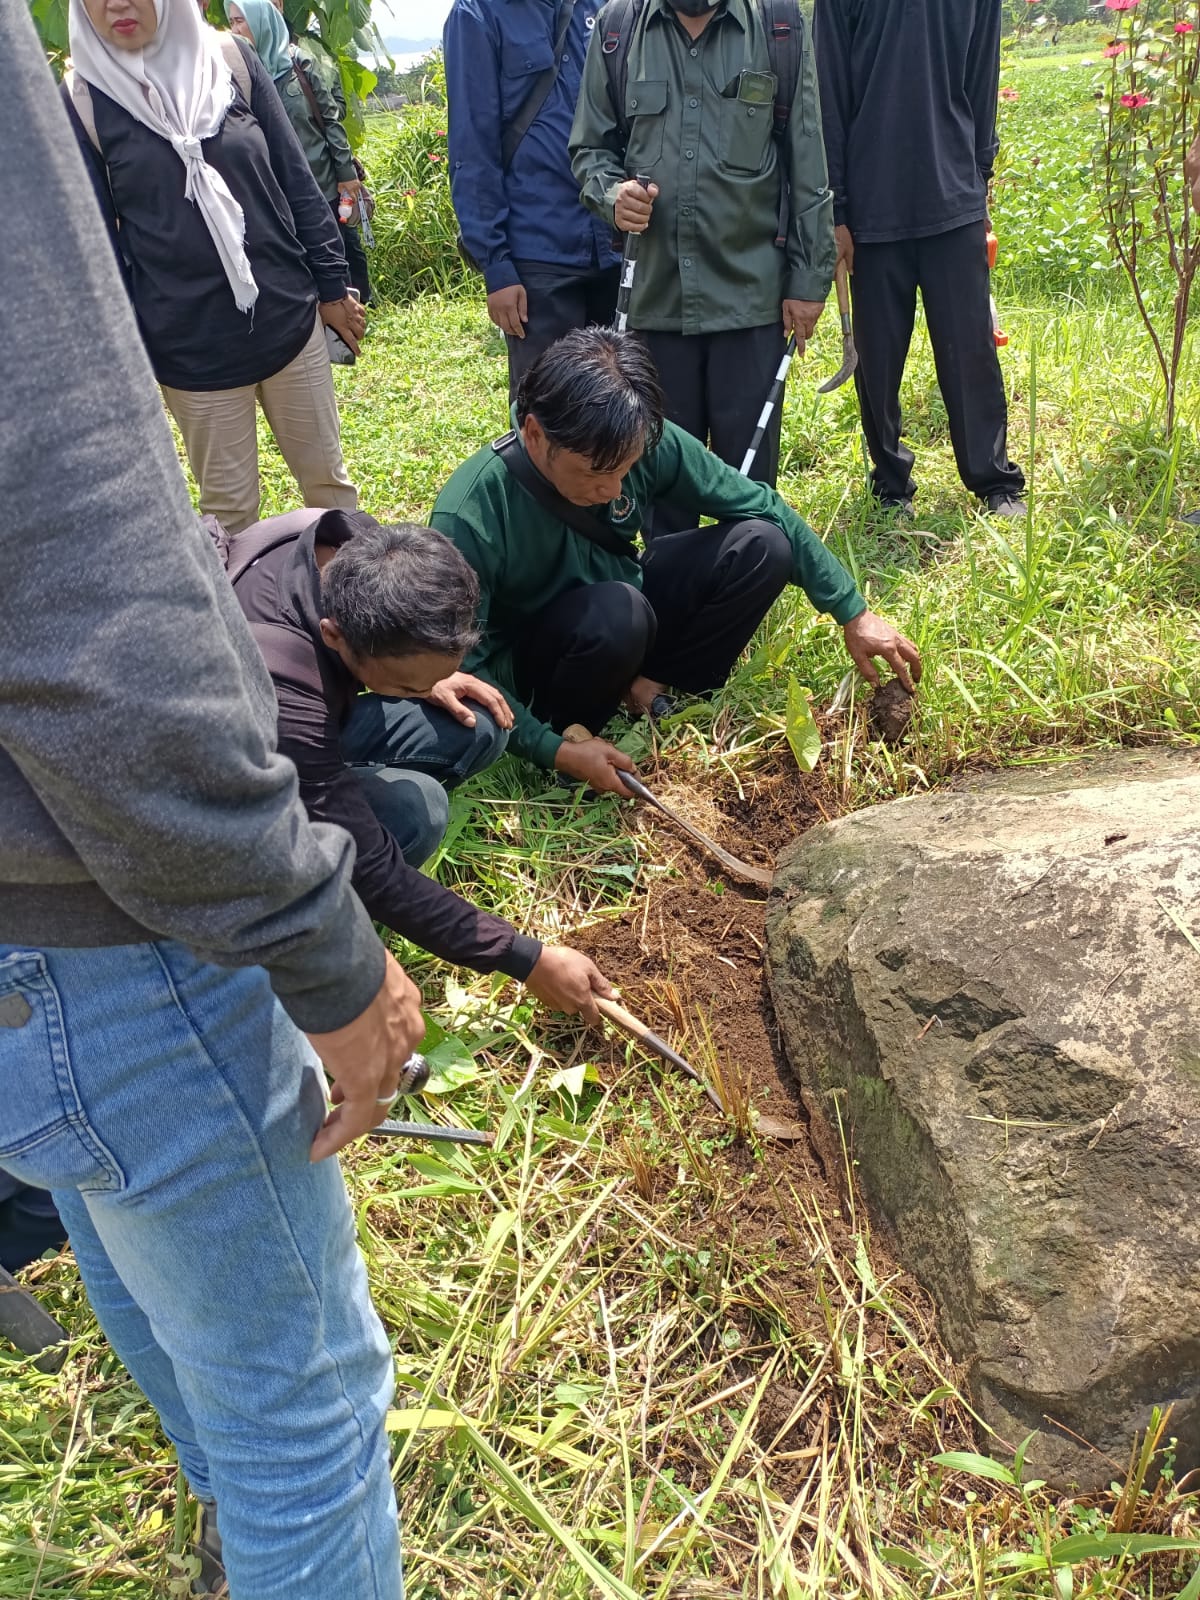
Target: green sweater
526,557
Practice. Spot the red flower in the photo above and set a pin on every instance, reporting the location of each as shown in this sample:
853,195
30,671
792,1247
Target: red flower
1135,102
1183,27
1010,94
433,157
409,193
1114,49
1120,5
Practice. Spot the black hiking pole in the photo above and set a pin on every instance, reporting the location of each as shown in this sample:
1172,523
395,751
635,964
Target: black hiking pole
768,410
628,268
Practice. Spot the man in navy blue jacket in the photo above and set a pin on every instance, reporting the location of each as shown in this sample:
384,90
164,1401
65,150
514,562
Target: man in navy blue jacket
908,105
548,265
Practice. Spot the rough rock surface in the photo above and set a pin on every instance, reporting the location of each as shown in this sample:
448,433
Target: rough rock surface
992,985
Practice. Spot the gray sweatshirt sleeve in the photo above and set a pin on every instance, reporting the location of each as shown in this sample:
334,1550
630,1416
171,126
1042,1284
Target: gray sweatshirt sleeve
133,702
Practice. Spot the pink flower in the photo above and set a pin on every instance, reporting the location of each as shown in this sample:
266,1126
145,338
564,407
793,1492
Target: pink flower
439,133
1183,27
1116,48
1135,102
1010,94
1120,5
409,193
434,157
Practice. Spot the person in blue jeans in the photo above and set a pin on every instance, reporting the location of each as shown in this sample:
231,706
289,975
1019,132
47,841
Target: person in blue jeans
363,629
183,961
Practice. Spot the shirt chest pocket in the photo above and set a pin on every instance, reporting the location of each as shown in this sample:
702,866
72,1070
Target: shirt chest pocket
747,117
646,113
522,61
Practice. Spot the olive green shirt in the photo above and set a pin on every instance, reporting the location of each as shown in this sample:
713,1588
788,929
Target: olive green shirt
327,150
526,558
700,119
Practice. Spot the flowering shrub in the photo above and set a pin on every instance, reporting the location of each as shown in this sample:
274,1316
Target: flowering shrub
415,228
1148,111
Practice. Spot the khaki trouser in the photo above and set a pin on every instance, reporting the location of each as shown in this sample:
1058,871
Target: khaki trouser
219,428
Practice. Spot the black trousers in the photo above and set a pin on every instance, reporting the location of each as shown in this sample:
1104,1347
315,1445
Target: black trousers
951,271
705,591
356,258
559,300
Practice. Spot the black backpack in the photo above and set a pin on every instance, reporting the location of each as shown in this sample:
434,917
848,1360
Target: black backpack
783,25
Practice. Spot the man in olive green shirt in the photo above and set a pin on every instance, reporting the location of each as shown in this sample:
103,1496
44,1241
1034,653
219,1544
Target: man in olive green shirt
574,617
715,295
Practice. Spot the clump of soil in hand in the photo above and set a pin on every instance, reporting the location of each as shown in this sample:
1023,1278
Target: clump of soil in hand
890,712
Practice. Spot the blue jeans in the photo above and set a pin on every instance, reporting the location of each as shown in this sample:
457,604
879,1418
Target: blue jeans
407,754
170,1105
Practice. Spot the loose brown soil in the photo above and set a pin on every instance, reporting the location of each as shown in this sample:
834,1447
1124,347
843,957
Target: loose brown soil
688,957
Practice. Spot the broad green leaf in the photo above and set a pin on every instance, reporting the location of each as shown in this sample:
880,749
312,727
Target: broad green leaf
803,735
572,1079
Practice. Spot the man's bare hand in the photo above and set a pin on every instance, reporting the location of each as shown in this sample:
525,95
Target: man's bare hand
844,240
596,763
452,693
509,309
566,980
347,319
800,317
365,1058
633,205
868,636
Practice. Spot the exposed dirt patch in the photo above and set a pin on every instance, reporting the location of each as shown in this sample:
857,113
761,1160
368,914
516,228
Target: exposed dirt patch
688,956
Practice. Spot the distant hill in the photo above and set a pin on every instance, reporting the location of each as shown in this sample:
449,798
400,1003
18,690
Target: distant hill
409,47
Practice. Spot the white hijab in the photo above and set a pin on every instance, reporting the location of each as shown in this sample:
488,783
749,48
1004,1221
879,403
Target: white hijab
179,87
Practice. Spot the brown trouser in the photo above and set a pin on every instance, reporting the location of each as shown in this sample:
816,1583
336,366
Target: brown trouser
220,435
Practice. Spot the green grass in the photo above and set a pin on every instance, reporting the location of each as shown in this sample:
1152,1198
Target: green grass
606,1387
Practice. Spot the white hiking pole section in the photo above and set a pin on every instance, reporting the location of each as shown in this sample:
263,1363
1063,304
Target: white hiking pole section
768,410
628,268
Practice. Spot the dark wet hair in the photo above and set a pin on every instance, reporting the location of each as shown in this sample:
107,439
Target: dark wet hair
595,392
400,591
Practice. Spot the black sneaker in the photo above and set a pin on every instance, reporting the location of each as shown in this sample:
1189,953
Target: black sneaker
1003,504
895,505
212,1583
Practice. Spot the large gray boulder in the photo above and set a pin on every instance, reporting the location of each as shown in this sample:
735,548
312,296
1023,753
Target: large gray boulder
995,985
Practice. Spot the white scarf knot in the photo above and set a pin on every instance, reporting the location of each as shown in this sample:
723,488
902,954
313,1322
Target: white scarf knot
180,87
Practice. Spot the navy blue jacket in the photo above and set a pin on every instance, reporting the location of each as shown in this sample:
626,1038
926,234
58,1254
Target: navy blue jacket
495,50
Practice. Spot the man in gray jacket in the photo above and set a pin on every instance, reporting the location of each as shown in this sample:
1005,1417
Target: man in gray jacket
171,927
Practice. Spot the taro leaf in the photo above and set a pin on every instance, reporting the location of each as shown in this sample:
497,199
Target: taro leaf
803,735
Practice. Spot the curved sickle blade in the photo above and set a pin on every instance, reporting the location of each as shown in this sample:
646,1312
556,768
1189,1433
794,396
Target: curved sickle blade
740,869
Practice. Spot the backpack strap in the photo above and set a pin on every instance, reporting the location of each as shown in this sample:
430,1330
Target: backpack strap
620,19
513,454
533,102
81,103
236,62
783,25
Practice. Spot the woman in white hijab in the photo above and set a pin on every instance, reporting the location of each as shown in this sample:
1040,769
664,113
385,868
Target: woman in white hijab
232,257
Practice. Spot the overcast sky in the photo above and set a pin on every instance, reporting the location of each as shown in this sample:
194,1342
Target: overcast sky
410,19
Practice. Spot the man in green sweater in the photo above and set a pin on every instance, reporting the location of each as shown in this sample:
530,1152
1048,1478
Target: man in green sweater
575,619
